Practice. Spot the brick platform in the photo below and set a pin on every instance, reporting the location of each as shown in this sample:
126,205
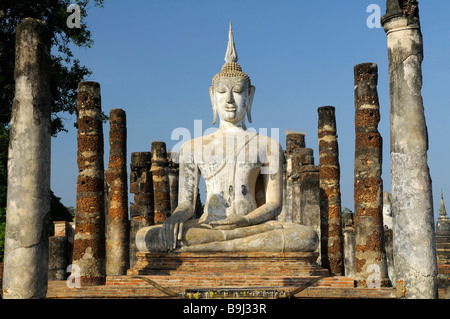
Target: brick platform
228,264
125,287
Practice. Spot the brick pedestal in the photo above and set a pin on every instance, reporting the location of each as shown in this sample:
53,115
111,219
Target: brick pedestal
228,264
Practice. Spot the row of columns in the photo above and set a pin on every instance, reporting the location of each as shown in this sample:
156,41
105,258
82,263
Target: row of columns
26,239
101,249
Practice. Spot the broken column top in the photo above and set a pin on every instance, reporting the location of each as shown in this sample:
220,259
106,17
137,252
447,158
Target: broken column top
327,117
140,160
90,87
368,70
406,8
25,33
294,141
159,153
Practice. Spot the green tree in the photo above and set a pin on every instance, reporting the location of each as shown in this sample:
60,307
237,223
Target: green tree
66,72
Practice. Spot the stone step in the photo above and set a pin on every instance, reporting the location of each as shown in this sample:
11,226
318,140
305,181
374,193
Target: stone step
231,281
132,288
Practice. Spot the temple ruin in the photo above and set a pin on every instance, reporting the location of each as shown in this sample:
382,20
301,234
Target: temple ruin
282,235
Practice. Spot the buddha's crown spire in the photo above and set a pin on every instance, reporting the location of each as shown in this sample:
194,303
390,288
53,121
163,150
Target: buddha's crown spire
231,68
231,54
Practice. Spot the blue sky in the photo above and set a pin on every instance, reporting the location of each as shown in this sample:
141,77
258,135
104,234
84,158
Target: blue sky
156,60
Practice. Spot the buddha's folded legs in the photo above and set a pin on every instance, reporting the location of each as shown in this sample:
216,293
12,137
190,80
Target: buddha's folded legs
272,236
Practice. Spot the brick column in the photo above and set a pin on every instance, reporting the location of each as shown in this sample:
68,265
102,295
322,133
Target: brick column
370,255
118,227
330,193
28,197
161,193
89,241
294,141
141,185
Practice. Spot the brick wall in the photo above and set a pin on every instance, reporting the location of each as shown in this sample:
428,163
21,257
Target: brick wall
226,264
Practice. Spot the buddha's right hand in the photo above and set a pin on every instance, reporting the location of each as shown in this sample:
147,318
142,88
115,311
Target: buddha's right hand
172,230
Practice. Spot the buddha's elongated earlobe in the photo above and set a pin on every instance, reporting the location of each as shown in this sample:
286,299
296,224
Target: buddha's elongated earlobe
251,94
211,96
214,115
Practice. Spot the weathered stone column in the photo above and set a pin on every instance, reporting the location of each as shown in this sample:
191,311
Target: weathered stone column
387,210
295,141
310,199
89,241
161,192
173,172
412,200
60,251
330,193
370,257
141,185
291,187
349,244
28,197
118,226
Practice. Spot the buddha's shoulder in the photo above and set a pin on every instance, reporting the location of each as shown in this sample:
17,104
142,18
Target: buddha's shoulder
253,137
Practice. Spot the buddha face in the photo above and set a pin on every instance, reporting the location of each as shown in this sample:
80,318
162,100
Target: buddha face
231,99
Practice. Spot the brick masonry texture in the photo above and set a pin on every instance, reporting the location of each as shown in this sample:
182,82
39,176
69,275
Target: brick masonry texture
89,241
368,184
332,253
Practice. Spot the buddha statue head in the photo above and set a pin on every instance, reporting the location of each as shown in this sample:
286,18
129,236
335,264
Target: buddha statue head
231,91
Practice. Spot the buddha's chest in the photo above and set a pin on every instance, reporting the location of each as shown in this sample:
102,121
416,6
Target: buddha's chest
230,188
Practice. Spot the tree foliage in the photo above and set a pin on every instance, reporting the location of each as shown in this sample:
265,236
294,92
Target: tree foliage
66,71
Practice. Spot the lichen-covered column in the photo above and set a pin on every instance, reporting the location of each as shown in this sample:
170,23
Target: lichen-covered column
173,172
59,252
291,187
412,200
161,192
330,193
89,241
310,199
118,228
141,185
28,197
310,196
370,257
349,244
295,141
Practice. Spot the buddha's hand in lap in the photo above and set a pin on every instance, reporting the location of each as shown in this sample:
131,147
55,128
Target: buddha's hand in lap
172,230
229,223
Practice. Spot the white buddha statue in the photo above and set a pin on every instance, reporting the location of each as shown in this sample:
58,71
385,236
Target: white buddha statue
243,175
